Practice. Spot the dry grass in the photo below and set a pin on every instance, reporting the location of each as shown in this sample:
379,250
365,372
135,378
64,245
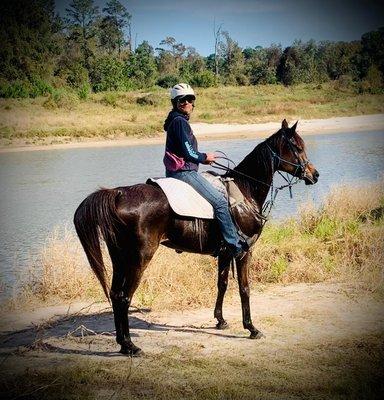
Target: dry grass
343,240
117,114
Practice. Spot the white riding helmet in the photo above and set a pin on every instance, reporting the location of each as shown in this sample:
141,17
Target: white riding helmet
181,90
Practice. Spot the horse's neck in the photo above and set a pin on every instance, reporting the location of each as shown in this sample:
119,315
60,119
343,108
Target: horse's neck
257,165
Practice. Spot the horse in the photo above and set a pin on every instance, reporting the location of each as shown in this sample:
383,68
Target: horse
134,220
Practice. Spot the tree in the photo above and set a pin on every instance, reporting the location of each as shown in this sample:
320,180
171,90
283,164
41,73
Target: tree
141,65
29,33
339,58
191,64
216,34
82,17
112,27
233,58
372,52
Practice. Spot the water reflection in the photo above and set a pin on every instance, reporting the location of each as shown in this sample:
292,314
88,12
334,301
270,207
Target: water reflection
40,190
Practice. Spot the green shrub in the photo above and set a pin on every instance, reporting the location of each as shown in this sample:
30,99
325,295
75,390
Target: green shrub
167,81
344,83
84,91
39,87
107,73
61,98
373,82
77,76
148,100
278,267
110,99
203,79
15,89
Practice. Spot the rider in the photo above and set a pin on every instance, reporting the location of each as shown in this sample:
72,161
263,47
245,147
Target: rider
182,143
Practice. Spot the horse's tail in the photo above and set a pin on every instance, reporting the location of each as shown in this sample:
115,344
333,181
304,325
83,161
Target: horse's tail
97,216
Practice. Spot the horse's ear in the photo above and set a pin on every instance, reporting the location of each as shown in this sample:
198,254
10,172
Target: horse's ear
284,124
294,126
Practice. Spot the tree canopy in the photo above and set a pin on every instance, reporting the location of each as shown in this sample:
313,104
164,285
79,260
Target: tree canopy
92,49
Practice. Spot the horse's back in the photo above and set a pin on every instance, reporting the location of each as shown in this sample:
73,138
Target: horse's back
143,202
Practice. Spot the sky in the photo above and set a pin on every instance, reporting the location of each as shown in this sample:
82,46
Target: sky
250,22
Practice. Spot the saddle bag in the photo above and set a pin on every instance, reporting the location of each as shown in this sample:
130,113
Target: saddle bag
172,162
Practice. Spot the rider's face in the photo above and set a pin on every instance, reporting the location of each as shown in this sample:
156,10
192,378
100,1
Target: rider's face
185,105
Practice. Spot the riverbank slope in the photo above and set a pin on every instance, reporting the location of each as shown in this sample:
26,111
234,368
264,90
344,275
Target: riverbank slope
205,131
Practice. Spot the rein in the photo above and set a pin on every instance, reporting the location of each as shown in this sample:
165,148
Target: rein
290,180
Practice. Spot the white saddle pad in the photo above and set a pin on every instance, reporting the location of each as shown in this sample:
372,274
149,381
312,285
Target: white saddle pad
184,199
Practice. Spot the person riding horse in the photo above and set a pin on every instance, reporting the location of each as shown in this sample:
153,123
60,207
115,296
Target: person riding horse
182,160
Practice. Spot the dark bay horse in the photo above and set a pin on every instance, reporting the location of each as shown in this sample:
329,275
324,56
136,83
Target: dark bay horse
134,220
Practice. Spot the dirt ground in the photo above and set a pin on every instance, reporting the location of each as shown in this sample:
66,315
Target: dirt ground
321,340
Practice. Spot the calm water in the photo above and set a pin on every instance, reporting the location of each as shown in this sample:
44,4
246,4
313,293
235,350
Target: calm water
41,189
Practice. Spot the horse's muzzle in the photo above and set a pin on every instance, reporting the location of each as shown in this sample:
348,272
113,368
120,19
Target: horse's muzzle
312,178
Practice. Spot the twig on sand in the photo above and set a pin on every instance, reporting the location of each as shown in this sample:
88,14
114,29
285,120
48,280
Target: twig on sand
84,331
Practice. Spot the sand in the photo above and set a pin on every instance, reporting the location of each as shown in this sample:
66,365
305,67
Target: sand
206,131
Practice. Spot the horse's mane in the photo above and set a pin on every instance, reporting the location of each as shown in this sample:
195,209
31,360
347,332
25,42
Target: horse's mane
259,164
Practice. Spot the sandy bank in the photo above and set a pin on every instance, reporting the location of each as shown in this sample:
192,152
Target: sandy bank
206,131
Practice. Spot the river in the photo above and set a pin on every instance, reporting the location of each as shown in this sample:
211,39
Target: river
42,189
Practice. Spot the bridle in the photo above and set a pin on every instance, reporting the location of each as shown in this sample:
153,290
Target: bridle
274,190
299,165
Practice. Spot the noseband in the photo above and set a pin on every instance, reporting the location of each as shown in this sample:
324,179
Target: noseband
299,165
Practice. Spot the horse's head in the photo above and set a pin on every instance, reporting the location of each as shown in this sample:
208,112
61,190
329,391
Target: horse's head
289,150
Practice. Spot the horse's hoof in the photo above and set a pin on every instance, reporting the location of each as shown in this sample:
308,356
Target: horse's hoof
256,335
222,325
132,351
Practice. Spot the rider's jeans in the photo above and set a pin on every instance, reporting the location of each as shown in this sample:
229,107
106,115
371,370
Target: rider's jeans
216,199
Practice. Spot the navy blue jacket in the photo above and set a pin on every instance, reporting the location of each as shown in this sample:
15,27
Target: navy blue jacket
181,140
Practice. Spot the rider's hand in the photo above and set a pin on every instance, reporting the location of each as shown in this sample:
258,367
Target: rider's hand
210,158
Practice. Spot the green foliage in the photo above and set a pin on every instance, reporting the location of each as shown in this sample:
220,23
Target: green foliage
326,228
30,44
15,89
344,83
141,67
24,88
110,99
276,234
107,73
84,91
168,81
37,54
203,79
61,98
148,100
112,26
373,82
278,267
76,75
39,87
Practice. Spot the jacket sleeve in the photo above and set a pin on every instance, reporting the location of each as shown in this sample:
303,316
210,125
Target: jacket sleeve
181,129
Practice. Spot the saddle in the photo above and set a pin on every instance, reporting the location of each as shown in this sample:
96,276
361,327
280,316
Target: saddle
186,201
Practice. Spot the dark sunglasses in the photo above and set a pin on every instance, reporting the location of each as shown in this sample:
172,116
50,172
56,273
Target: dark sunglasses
189,99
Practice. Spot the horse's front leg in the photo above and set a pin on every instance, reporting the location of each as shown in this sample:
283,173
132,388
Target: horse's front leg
242,277
222,284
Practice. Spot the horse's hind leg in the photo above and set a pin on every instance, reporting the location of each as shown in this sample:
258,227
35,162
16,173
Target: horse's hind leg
128,267
222,284
242,277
